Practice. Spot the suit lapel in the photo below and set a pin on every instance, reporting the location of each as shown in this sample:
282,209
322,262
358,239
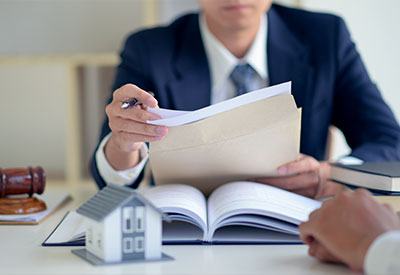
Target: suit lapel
191,88
288,58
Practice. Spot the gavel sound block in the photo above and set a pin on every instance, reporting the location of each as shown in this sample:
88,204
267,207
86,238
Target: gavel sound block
17,181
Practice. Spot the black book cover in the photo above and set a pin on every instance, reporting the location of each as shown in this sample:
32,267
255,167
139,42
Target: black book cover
388,169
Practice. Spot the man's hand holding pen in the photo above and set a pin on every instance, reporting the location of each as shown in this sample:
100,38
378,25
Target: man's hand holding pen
127,115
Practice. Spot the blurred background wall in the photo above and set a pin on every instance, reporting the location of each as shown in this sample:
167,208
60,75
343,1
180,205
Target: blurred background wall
57,60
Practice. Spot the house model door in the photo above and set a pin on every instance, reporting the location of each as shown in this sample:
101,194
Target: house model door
133,215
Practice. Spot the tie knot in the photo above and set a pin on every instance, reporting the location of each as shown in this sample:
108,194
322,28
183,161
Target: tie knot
243,78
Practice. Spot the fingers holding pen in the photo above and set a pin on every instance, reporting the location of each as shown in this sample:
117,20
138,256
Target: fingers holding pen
135,113
126,94
128,116
133,121
129,91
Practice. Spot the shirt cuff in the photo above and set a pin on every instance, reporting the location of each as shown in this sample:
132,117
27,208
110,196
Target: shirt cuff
383,254
120,177
349,160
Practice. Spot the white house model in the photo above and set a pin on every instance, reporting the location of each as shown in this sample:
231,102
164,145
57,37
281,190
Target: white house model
121,225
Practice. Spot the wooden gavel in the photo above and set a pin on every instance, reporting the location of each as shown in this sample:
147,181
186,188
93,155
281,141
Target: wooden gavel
22,181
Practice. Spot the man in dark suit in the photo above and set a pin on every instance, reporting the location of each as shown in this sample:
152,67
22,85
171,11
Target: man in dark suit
192,63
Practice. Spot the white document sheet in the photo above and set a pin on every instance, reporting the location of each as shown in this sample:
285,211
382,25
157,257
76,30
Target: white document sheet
176,118
166,113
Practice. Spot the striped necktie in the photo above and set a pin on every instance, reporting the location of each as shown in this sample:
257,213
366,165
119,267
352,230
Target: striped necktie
243,76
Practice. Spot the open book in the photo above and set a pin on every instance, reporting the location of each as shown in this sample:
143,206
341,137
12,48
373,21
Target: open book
238,212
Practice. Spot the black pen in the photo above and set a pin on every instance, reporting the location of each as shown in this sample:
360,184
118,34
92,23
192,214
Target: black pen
133,102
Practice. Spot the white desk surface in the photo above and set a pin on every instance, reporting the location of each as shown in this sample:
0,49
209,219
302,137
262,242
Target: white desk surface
21,253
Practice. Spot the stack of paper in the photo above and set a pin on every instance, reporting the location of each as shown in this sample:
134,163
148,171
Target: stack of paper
53,200
177,118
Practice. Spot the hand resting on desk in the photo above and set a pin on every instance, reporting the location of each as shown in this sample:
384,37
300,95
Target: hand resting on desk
345,226
305,176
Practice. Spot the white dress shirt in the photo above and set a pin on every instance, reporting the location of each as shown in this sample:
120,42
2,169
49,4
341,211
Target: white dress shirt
383,256
120,177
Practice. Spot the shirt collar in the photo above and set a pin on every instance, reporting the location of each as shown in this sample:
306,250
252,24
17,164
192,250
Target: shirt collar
222,61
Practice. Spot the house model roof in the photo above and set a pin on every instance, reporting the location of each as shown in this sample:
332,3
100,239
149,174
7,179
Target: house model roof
110,198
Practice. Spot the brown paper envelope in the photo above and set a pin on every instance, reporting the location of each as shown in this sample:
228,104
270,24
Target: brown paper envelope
246,142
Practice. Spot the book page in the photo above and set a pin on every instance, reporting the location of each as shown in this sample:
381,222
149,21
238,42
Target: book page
184,202
239,198
69,231
176,118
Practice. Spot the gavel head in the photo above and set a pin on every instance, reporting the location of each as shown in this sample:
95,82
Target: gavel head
15,181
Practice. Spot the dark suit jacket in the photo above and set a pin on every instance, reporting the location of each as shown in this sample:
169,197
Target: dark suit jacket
313,50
